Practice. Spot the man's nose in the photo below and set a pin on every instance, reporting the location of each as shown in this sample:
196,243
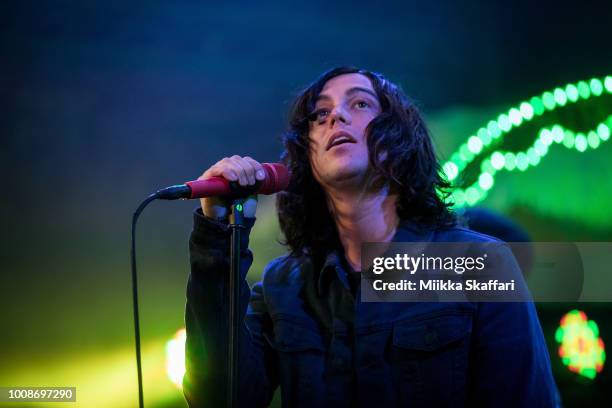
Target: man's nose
339,114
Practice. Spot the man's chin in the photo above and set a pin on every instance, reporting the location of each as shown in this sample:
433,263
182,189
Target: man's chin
348,177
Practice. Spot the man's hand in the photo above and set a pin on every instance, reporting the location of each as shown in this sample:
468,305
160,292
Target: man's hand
244,170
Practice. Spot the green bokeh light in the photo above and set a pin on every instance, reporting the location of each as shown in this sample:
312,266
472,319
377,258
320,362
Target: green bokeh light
515,117
451,171
472,195
522,161
603,131
572,92
538,105
560,97
593,140
580,142
485,181
583,90
483,134
498,160
580,347
494,129
608,84
526,110
548,100
504,122
596,86
474,144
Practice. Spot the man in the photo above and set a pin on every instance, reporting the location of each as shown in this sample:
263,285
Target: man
363,170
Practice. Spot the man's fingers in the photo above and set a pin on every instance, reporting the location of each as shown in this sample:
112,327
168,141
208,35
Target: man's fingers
245,170
237,165
258,169
220,170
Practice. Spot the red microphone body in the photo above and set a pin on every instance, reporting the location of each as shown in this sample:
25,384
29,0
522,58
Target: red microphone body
276,179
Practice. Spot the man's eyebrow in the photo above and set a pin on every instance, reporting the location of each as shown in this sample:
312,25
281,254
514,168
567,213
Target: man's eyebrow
350,92
360,89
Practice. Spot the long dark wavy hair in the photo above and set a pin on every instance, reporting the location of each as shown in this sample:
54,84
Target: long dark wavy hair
400,151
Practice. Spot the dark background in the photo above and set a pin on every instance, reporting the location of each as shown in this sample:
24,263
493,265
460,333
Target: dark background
103,102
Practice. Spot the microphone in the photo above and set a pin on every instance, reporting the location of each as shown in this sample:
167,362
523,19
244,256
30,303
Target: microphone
276,179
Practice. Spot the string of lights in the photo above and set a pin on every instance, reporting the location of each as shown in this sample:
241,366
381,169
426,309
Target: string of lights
517,116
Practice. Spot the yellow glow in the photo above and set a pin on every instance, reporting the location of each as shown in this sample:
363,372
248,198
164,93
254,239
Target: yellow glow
175,358
102,379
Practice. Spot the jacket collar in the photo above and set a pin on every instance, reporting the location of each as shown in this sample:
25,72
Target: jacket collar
407,231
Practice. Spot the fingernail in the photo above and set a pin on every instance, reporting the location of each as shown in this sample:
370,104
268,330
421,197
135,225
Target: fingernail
260,174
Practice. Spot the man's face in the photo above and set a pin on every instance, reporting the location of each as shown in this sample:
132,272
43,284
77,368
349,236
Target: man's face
338,149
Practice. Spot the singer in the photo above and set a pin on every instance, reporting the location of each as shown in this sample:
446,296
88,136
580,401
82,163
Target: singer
363,169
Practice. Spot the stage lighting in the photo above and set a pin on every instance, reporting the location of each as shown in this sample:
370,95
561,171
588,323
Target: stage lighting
175,357
580,347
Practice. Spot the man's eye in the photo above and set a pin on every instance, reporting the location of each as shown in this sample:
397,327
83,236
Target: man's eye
319,114
322,113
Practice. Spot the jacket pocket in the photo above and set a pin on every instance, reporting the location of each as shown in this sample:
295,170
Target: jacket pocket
429,359
431,334
290,336
300,353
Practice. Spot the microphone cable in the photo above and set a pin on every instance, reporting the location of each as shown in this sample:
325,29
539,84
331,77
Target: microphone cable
139,210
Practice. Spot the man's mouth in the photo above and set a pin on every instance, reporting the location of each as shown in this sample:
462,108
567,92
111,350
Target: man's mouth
339,138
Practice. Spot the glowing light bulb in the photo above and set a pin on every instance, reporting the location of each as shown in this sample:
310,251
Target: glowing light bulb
474,144
483,134
522,161
458,197
557,133
538,105
504,122
560,97
487,167
533,157
498,161
608,84
515,117
548,100
485,181
526,110
593,140
572,92
494,129
580,142
472,195
175,357
540,147
596,86
603,131
546,137
451,171
583,90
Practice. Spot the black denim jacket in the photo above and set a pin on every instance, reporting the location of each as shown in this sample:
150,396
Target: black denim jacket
304,330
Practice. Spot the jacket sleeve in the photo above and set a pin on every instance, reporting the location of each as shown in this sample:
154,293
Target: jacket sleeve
206,320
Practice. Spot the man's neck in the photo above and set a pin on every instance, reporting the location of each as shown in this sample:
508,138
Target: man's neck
362,217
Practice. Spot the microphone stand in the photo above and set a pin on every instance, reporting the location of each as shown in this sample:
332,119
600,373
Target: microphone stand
236,225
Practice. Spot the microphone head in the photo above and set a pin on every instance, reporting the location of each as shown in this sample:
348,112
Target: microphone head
277,178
